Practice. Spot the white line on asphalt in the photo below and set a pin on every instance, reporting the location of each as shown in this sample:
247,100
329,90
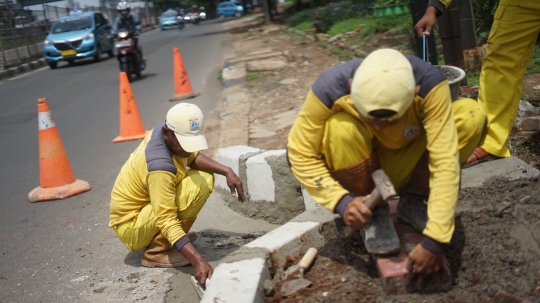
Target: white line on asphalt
203,81
26,74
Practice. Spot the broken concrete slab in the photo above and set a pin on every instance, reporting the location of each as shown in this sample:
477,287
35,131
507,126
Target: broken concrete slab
512,168
269,64
255,57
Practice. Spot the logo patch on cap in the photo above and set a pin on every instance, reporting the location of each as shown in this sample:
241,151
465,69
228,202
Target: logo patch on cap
411,131
194,124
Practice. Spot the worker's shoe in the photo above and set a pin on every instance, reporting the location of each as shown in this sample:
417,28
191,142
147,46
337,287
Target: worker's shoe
161,254
379,235
357,178
412,209
412,206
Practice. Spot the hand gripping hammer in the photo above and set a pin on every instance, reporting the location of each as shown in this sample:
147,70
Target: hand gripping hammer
384,190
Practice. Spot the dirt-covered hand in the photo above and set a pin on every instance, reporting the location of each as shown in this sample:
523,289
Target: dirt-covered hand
203,271
356,214
426,24
423,263
235,185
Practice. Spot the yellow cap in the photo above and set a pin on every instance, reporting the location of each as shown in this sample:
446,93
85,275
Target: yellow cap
187,122
384,80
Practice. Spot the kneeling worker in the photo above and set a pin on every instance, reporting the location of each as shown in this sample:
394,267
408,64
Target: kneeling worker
393,112
155,199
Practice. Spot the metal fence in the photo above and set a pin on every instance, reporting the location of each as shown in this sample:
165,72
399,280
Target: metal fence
22,32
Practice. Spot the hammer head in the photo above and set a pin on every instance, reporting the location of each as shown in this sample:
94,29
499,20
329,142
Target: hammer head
383,184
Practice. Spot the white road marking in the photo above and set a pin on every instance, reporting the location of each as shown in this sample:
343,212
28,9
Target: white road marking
28,73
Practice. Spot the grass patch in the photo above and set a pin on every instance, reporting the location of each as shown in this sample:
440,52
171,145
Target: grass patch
346,26
473,77
255,76
373,25
304,26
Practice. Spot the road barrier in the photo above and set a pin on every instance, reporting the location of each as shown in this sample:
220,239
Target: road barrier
182,86
57,180
131,125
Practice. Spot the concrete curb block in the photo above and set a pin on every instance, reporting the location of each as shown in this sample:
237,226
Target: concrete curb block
230,156
241,277
240,281
261,172
260,181
22,69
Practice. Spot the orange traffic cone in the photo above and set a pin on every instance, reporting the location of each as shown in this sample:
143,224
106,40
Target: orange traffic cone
182,86
56,177
131,126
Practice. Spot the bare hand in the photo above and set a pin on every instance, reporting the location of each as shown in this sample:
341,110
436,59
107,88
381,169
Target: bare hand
428,21
423,263
356,214
235,185
203,271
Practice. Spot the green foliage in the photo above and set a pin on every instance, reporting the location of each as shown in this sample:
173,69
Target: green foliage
385,3
534,64
304,25
255,76
325,17
483,13
301,17
346,26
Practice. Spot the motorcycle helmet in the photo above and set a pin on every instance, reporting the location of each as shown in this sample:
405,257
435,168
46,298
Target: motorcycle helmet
123,9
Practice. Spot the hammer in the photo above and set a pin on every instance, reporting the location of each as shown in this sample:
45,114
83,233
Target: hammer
383,190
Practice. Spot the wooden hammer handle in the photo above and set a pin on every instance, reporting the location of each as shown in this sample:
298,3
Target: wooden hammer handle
370,203
308,258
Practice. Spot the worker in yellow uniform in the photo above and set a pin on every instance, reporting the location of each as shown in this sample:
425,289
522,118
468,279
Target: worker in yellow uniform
393,112
510,44
155,199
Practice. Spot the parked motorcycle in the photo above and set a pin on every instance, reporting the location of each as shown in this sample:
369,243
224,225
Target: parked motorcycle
129,59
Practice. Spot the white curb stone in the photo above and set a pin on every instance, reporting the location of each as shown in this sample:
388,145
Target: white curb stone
260,183
230,156
237,282
293,238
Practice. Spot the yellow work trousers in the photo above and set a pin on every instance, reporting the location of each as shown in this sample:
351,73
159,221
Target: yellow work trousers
345,142
510,45
191,195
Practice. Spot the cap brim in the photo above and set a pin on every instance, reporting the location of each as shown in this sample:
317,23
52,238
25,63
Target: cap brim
192,143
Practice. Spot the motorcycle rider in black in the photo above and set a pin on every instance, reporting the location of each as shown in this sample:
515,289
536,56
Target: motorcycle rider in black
129,22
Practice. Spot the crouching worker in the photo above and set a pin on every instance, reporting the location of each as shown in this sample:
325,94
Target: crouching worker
155,199
393,112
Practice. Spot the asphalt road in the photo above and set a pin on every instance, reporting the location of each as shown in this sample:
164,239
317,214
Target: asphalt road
63,251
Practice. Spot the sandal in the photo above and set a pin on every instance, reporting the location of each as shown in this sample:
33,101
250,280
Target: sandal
479,155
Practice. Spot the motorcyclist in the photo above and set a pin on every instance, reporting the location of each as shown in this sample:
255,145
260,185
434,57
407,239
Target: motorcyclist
194,9
129,22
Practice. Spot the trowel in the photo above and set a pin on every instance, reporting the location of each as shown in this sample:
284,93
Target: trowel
290,287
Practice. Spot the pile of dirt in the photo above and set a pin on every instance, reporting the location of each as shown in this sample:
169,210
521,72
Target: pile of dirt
496,246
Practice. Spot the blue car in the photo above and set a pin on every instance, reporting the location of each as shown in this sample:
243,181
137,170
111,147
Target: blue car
168,20
78,36
229,8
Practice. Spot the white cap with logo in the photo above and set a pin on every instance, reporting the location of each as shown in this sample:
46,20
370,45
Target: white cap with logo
187,122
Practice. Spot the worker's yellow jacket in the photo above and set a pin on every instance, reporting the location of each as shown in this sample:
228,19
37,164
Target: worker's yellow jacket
429,118
150,175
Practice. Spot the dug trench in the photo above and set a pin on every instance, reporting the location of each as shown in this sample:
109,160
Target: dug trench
496,246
